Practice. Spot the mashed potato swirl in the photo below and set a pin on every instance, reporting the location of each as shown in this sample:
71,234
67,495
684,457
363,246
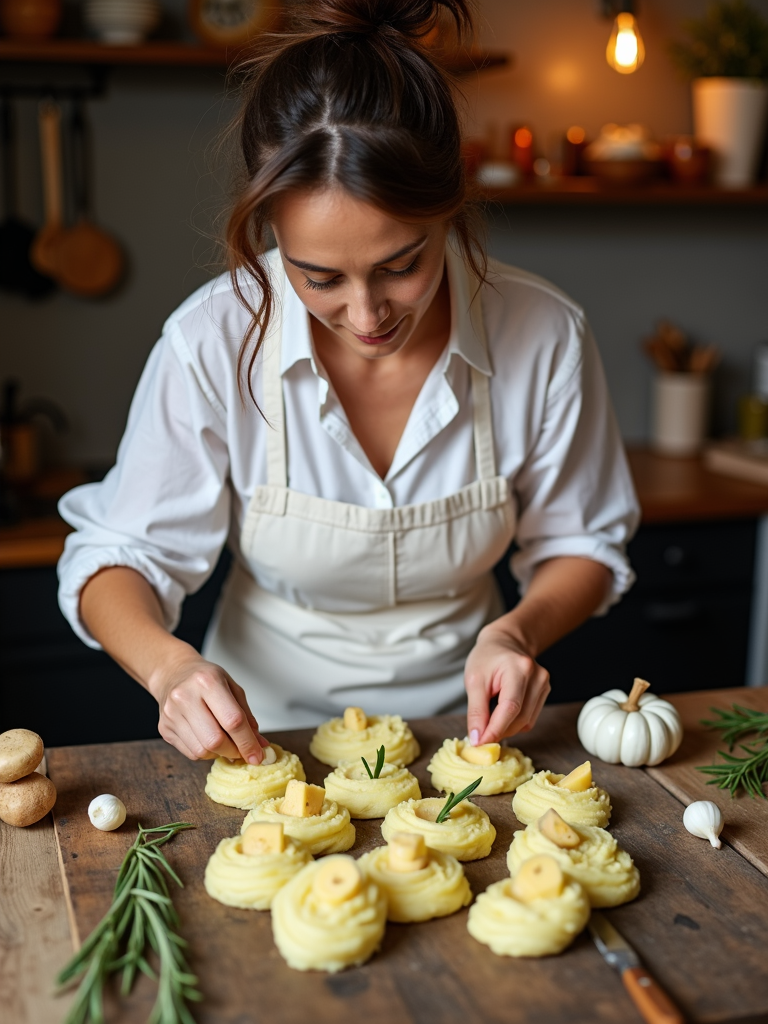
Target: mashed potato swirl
541,927
439,889
334,743
590,807
606,872
350,785
331,831
467,833
243,785
451,772
313,935
251,881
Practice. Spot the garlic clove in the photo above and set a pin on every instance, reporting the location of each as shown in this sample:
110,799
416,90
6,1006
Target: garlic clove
106,812
702,818
269,755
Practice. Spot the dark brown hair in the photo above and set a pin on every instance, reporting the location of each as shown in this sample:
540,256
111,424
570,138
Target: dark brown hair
351,97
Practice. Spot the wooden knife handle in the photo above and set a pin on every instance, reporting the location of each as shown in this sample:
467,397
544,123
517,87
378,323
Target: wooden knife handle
650,999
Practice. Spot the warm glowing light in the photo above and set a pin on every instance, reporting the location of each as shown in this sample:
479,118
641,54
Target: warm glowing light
625,51
523,138
576,135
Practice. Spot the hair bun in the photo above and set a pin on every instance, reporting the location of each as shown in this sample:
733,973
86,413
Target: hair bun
411,18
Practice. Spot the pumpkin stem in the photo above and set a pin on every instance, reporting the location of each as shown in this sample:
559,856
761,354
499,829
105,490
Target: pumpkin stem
638,689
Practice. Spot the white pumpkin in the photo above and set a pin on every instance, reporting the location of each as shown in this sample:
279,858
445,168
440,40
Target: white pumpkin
635,730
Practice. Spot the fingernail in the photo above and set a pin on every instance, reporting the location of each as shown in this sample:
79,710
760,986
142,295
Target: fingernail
474,736
253,759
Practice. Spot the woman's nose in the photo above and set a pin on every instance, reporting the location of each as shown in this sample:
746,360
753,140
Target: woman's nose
367,313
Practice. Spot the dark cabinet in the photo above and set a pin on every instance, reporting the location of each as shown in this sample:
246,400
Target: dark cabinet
52,683
684,625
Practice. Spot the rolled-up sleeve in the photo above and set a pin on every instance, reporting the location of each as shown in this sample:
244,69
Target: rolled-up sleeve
574,491
164,508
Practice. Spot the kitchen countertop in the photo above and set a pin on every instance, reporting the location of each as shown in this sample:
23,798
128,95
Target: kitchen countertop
669,489
699,923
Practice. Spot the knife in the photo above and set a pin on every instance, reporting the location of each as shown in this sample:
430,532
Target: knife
651,1000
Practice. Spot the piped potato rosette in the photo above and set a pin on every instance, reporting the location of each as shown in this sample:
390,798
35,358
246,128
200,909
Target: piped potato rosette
351,786
331,915
466,834
588,806
330,831
347,739
437,889
249,881
605,871
539,927
243,785
452,771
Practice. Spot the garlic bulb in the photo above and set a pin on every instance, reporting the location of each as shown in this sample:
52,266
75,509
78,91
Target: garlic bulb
702,818
106,812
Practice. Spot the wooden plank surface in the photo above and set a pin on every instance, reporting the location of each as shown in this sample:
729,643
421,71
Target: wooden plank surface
35,940
746,818
699,924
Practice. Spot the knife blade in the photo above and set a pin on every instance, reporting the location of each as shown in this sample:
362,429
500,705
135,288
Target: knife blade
651,1000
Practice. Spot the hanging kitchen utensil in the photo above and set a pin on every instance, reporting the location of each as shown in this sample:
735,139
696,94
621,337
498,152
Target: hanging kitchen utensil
89,262
44,248
16,272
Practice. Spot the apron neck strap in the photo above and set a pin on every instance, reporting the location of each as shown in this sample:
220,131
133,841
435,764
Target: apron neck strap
485,456
274,406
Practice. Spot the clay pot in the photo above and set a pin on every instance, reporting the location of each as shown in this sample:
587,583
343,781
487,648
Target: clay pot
30,19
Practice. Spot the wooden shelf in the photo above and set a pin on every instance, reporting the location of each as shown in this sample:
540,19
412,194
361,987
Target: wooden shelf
593,192
176,54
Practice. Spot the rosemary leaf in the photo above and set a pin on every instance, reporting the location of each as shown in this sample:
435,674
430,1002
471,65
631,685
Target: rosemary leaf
367,768
454,800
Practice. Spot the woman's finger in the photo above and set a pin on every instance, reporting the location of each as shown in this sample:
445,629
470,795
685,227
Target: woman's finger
517,676
175,741
477,706
242,700
533,717
235,731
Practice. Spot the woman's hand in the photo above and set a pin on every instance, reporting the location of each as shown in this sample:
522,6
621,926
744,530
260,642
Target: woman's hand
499,666
204,713
562,593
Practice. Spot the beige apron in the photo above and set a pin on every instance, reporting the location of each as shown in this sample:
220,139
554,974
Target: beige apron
387,602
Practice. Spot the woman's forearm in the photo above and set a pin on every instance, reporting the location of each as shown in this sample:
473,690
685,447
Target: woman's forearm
121,611
202,710
562,594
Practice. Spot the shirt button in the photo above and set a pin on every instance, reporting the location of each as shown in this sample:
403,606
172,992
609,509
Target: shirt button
382,497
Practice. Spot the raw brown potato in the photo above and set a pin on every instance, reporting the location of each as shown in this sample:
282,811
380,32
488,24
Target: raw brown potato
21,751
26,800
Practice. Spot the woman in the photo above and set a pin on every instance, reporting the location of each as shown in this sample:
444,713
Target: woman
367,414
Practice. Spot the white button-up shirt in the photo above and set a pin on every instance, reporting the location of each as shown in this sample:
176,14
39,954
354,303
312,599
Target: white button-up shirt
193,452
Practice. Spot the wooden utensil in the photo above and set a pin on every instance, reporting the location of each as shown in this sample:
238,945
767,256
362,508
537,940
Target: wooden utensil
43,253
89,262
16,272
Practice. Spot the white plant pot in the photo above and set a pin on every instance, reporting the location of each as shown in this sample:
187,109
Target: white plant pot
121,22
680,412
729,116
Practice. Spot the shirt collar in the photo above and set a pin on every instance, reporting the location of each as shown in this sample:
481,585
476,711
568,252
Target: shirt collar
467,338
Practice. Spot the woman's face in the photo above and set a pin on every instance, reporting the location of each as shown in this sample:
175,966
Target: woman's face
367,277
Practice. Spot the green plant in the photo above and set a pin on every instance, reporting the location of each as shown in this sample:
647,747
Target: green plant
380,755
141,915
751,771
731,41
454,799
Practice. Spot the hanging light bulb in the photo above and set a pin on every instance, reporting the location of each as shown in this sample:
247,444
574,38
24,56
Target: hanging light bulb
625,51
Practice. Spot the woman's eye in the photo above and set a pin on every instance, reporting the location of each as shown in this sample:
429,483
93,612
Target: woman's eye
410,269
319,286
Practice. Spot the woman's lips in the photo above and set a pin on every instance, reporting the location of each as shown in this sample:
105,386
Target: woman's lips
379,339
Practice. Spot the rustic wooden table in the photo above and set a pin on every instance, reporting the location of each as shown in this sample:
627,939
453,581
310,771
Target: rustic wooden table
700,923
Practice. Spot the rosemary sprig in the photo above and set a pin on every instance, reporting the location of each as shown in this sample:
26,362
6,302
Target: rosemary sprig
750,772
380,754
141,915
454,800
